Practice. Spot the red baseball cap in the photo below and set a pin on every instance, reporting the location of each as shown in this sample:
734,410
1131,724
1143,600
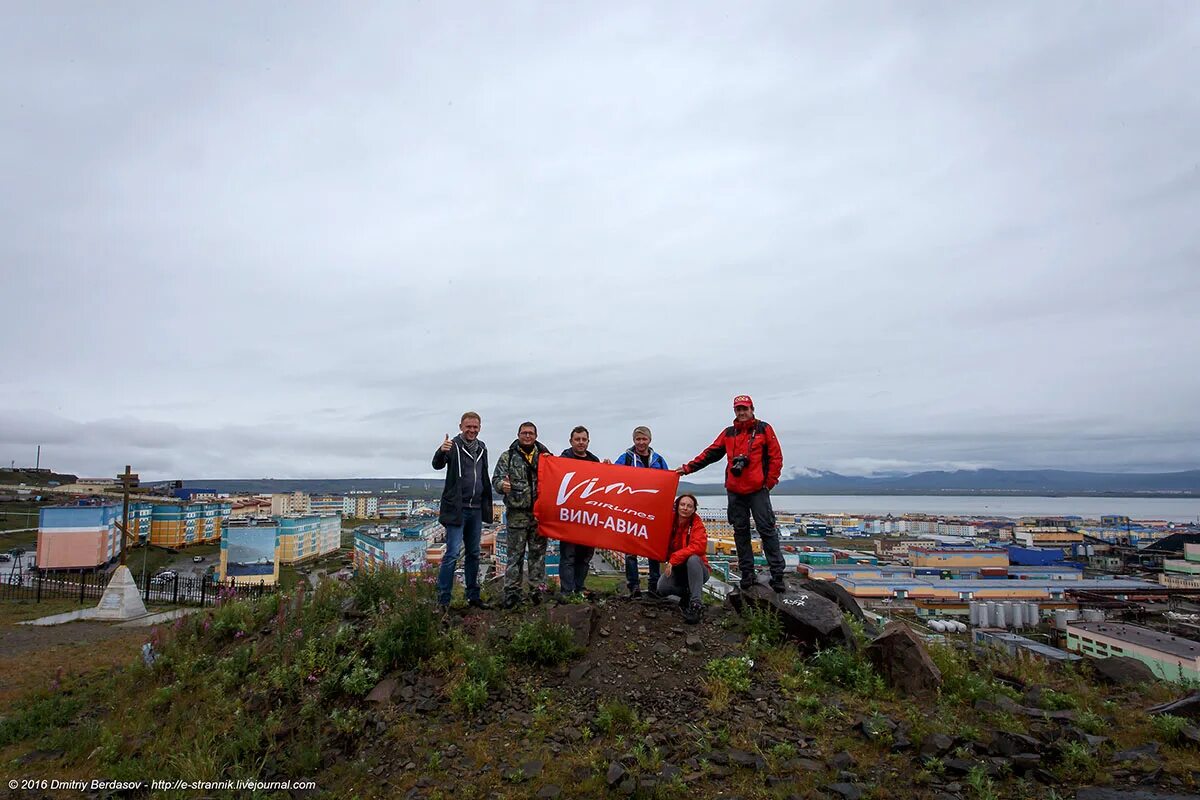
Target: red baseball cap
743,400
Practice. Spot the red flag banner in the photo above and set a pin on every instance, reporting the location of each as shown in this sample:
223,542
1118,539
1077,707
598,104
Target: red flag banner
628,509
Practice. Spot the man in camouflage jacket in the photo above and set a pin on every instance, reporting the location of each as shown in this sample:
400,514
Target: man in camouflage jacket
516,478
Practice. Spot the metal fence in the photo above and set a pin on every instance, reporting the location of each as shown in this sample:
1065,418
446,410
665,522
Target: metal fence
84,585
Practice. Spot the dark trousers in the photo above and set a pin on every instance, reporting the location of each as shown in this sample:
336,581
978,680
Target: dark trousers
758,504
633,581
574,560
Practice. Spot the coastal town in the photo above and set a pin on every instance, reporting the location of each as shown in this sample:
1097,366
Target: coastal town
1058,587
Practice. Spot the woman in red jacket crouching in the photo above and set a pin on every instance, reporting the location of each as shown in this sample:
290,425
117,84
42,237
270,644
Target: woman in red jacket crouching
686,556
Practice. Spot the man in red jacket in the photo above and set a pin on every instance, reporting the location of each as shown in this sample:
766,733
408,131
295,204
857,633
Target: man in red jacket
755,461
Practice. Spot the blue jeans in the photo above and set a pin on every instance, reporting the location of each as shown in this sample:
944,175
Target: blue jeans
469,532
633,581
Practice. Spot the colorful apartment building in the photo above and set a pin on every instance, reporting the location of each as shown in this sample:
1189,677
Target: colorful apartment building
391,507
183,525
404,552
330,504
365,506
289,504
78,537
308,536
140,517
250,554
1171,658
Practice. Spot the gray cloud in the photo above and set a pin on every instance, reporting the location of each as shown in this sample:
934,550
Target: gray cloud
243,241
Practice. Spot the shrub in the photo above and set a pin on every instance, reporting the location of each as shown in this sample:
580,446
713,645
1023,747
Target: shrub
1090,722
763,628
1168,727
360,679
404,637
469,695
615,716
1078,763
543,642
732,672
849,670
1058,701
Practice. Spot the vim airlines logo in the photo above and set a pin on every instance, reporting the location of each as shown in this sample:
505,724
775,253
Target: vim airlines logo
588,488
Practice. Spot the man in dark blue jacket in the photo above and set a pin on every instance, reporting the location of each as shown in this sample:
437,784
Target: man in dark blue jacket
466,505
641,455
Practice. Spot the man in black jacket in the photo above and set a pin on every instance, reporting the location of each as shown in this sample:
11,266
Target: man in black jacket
574,559
466,505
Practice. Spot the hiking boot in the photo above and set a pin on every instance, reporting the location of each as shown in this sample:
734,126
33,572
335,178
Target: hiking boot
746,584
478,603
693,613
635,592
653,594
778,585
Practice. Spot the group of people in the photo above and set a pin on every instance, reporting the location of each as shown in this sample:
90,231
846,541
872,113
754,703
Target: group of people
754,461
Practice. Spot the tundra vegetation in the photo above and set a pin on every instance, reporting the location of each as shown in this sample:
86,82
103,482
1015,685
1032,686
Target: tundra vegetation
362,687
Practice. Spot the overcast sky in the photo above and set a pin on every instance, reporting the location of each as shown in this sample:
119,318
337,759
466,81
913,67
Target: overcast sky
290,240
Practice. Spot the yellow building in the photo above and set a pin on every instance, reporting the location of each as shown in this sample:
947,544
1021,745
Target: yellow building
956,558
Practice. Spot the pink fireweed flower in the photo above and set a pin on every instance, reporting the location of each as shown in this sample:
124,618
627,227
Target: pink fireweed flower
298,634
239,634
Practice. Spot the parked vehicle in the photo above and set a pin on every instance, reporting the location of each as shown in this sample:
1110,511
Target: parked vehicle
197,559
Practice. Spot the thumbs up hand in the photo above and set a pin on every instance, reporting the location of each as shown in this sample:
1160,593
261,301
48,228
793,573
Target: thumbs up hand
446,444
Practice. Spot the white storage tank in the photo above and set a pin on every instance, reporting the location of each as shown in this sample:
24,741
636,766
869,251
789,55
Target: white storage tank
1017,610
962,627
938,626
985,618
1093,615
1033,614
973,613
1060,618
1002,619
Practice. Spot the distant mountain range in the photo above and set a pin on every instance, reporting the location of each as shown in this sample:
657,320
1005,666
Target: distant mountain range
1000,481
958,482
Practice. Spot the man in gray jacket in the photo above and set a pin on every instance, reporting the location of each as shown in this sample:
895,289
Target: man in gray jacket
466,505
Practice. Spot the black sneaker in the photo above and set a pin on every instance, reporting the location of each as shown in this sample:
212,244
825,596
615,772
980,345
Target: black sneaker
778,585
477,603
746,585
635,592
693,613
653,595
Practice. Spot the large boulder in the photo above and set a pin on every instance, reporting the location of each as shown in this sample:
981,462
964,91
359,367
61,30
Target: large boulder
900,657
835,592
809,619
1122,671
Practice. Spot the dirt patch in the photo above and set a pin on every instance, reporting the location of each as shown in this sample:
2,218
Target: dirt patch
33,656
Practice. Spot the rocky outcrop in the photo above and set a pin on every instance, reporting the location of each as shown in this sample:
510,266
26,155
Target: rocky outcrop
1184,707
1122,671
900,657
808,618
